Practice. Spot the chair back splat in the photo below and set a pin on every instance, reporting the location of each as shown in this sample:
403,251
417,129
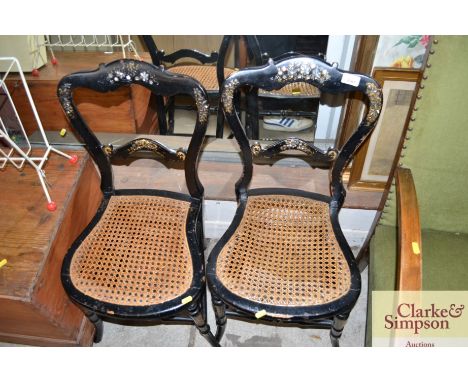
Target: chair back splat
141,258
284,257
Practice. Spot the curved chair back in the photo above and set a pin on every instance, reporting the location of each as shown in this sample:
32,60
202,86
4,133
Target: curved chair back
327,78
111,76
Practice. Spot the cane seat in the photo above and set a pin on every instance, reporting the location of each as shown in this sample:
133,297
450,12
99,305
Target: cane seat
296,89
137,254
285,245
205,74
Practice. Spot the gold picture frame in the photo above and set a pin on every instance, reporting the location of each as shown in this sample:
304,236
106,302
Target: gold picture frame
375,160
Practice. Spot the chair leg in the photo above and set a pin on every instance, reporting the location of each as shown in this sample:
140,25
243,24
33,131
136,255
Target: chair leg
337,328
170,112
220,314
161,110
97,322
220,121
363,258
252,123
201,235
200,322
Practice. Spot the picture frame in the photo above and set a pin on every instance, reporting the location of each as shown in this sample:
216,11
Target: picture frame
375,160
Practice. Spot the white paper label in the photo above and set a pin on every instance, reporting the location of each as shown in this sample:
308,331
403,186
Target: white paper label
350,79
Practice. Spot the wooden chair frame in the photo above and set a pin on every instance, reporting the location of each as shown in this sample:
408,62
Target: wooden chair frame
409,276
190,307
273,76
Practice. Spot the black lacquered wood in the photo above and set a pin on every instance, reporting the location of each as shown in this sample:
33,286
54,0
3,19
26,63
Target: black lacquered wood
146,144
189,53
223,50
297,144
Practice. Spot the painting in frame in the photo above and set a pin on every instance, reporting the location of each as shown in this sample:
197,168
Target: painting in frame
375,160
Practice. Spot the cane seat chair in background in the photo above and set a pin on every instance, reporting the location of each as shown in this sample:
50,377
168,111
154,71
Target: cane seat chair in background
284,257
140,259
209,71
296,99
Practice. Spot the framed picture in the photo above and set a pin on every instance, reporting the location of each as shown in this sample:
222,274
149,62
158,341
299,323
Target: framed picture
375,160
401,51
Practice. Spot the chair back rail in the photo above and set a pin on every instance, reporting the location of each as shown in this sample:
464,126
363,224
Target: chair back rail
111,76
159,56
203,58
253,51
327,78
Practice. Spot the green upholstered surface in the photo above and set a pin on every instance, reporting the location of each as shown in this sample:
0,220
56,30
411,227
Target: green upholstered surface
383,258
445,260
437,151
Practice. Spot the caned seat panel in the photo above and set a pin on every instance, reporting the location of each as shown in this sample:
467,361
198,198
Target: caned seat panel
205,74
284,253
137,254
295,89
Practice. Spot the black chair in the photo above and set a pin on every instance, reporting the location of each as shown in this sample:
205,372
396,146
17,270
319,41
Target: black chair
140,260
284,257
296,99
209,70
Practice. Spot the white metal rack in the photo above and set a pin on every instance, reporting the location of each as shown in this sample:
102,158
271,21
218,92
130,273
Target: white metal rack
15,147
109,42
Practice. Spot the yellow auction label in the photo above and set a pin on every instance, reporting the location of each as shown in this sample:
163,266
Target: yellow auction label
260,313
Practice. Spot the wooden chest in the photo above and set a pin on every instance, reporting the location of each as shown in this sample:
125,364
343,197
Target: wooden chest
34,308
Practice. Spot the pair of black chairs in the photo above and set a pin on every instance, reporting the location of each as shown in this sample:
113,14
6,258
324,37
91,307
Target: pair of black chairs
283,258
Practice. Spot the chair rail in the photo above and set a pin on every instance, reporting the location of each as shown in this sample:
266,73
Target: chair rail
409,233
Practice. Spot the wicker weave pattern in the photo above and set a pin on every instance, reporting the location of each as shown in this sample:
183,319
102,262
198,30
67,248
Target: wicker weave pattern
205,74
284,253
137,254
296,89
